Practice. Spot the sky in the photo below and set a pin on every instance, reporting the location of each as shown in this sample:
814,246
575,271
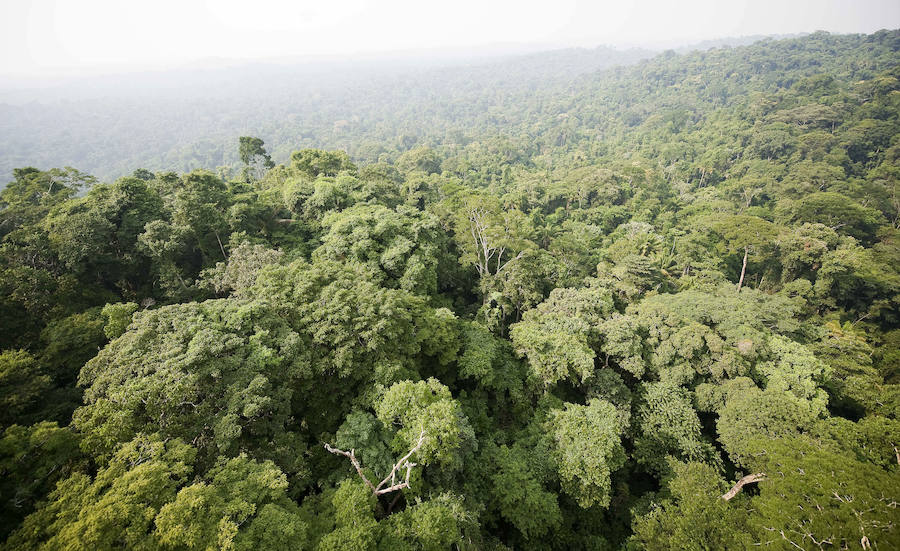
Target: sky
71,37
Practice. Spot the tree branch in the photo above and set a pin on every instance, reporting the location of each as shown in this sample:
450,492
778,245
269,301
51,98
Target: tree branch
392,476
510,261
352,456
404,462
749,479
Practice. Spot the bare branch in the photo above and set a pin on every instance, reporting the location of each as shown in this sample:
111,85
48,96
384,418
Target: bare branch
392,476
352,456
404,462
508,262
749,479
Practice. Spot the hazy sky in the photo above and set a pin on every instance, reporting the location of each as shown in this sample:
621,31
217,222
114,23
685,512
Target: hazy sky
72,36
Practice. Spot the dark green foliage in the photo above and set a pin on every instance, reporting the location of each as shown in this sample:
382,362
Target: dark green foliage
32,460
690,515
23,384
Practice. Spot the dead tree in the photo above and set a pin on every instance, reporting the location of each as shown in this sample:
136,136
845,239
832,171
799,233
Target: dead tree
391,478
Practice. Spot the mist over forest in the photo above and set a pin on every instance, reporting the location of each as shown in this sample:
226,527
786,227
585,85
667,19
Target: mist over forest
577,299
191,117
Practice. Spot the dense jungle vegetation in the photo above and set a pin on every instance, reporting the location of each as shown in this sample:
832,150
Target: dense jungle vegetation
655,306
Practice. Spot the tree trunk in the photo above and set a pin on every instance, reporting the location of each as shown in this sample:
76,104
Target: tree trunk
223,248
743,268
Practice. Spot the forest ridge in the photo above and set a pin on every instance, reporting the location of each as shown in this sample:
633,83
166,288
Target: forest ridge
654,306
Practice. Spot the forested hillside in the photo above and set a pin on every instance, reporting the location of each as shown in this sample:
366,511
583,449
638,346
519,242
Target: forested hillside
651,307
186,119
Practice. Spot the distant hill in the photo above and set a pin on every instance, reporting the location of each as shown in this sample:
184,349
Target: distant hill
190,118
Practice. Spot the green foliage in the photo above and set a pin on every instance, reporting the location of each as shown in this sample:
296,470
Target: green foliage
836,211
114,509
315,162
821,496
588,449
771,413
252,148
22,384
97,235
234,363
668,426
70,342
32,193
239,273
427,407
241,505
491,362
795,370
32,460
118,318
521,496
559,336
440,522
690,514
489,237
355,527
400,248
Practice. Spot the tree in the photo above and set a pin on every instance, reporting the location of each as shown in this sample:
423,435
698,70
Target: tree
315,162
711,334
668,426
395,480
588,449
429,421
238,274
241,504
836,211
358,330
559,336
22,382
116,508
824,498
132,502
441,522
218,374
253,155
743,234
32,460
490,237
399,247
521,495
118,317
251,148
96,236
769,413
423,159
28,198
689,514
200,206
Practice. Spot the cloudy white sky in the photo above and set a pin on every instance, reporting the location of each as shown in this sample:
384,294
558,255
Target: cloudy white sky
45,37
